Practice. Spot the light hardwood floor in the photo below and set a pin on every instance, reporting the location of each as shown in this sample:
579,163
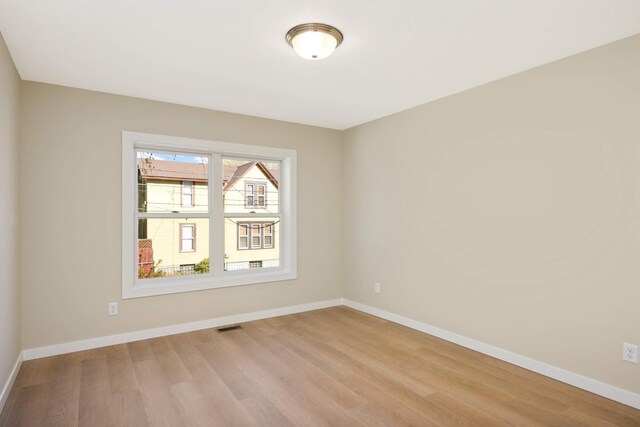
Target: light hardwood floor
328,367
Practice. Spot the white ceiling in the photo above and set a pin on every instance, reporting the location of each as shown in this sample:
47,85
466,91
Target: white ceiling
231,55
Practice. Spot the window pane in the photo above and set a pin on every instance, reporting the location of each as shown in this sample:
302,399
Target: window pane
187,246
163,250
187,231
172,182
266,255
250,185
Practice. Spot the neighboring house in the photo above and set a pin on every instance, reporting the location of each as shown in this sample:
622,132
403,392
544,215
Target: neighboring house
251,242
170,246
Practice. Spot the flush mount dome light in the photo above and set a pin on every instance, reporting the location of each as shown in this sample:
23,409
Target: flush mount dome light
314,41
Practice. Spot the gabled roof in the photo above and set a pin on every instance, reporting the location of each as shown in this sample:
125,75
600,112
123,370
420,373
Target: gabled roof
242,171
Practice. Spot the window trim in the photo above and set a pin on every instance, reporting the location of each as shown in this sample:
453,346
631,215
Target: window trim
193,245
217,277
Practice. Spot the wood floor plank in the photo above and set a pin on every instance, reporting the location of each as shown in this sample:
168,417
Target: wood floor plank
329,367
127,409
264,412
94,405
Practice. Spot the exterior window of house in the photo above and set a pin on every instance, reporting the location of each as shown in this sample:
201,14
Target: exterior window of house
187,193
261,200
241,231
260,235
187,237
243,236
187,268
256,236
255,195
267,236
249,191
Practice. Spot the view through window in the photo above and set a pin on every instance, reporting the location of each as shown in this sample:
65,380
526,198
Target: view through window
174,214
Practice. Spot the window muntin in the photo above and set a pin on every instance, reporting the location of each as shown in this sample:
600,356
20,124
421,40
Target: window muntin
277,167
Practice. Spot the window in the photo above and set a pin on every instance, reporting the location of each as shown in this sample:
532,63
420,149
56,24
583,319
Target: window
260,235
243,236
255,195
267,236
249,192
187,237
187,193
241,231
187,268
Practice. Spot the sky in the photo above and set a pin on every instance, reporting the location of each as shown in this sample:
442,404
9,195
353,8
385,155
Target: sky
174,157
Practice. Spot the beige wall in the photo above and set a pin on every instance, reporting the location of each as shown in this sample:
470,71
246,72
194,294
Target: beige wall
510,213
71,173
10,341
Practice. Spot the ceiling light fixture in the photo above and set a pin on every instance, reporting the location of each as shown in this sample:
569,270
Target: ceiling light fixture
314,41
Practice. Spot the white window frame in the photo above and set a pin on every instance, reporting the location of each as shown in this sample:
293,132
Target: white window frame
132,287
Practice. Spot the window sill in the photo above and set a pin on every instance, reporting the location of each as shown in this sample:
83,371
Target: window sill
205,282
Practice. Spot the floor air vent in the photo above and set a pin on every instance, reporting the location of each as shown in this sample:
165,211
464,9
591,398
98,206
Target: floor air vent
229,328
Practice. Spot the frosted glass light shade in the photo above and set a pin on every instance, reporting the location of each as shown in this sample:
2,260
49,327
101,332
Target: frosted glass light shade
314,41
314,45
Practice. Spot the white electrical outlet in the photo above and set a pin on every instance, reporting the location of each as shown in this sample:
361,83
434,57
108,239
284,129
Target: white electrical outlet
113,308
376,288
630,353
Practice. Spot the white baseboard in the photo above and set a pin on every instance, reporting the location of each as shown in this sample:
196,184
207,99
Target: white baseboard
52,350
12,378
606,390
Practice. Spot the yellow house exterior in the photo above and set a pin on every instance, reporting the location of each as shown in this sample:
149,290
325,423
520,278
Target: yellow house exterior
181,245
